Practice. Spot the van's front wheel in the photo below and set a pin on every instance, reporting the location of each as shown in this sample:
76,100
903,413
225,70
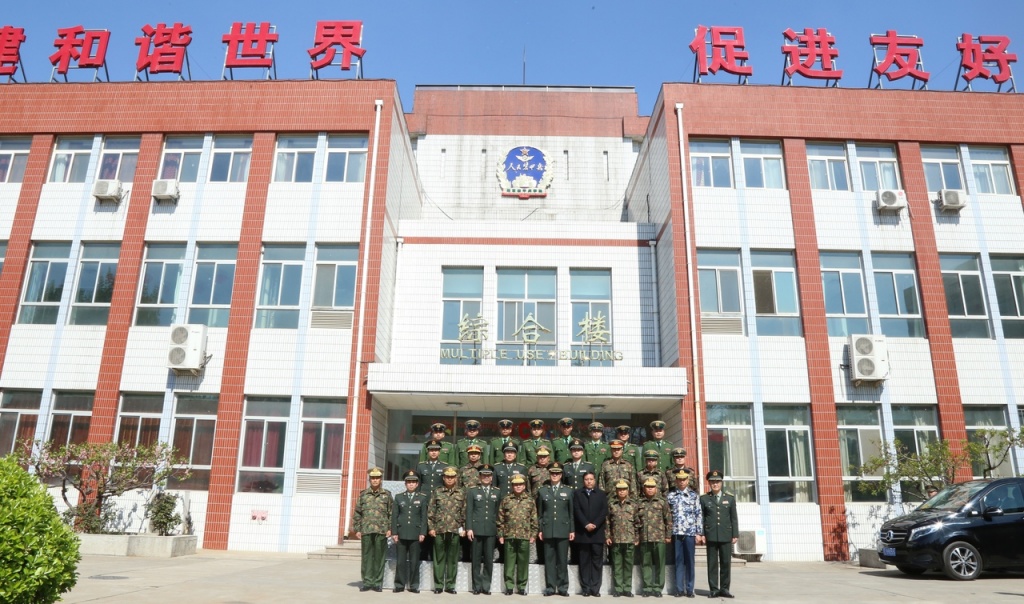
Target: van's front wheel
961,561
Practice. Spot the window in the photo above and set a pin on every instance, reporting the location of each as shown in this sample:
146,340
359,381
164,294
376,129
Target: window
942,168
278,304
731,448
335,285
860,440
591,292
118,159
195,419
231,159
718,273
346,158
762,164
266,423
991,169
463,328
1008,275
843,284
181,158
788,437
138,424
527,332
295,158
19,414
161,277
711,164
13,158
965,299
97,272
71,160
991,420
3,255
898,303
323,433
827,164
45,285
878,167
775,297
72,413
915,428
214,280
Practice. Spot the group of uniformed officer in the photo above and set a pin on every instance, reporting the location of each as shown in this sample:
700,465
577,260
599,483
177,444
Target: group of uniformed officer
454,494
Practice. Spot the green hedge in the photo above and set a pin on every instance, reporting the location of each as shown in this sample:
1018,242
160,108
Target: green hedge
38,552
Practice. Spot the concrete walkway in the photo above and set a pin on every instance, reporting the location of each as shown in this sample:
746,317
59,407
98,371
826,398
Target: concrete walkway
251,578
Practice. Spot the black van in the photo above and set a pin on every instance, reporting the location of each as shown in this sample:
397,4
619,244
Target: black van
965,528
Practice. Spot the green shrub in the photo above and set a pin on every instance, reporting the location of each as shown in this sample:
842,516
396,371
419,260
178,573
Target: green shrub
38,552
160,511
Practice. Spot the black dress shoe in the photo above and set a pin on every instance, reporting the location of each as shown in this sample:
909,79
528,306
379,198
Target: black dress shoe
450,591
413,591
476,592
437,591
713,594
726,594
564,594
596,594
364,588
628,594
657,594
508,592
399,590
549,592
616,594
586,594
378,588
521,592
486,592
690,595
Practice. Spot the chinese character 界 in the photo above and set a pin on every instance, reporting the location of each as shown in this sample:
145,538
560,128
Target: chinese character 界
346,34
973,57
168,48
811,47
727,50
247,45
88,48
10,49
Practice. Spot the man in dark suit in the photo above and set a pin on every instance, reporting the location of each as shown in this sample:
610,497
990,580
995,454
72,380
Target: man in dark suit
590,511
721,531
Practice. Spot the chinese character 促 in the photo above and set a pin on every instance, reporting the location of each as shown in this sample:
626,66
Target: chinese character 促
727,50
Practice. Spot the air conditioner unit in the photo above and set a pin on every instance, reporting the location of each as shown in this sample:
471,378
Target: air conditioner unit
165,191
186,349
952,199
107,190
752,542
891,200
869,358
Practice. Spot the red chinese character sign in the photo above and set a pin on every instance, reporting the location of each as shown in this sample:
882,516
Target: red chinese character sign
720,48
330,35
896,57
979,58
163,49
811,54
10,52
86,48
250,45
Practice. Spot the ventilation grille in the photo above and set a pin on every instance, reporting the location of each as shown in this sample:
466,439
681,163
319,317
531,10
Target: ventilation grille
325,484
332,319
722,325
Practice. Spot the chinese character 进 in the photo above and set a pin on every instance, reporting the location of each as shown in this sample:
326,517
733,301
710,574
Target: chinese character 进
168,48
531,330
88,48
594,330
346,34
472,329
727,50
811,47
247,45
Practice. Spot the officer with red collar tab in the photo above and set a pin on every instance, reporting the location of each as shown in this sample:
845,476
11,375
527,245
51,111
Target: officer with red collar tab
721,531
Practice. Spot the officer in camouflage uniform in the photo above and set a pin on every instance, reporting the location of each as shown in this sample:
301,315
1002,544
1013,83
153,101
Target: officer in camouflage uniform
482,530
651,470
372,523
560,445
445,518
557,528
499,443
539,473
655,530
504,471
595,450
469,472
679,465
616,469
630,452
534,443
575,468
659,444
472,438
408,530
517,529
622,538
448,456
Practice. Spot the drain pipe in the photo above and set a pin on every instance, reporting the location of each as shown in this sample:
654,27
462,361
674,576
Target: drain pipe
654,292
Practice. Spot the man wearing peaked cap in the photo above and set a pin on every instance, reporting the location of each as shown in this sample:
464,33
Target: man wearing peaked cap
517,529
536,441
445,519
499,443
721,531
482,529
509,467
431,470
576,467
448,454
595,450
372,524
623,537
651,471
630,452
472,438
616,469
560,445
655,528
408,530
658,443
468,472
679,464
554,508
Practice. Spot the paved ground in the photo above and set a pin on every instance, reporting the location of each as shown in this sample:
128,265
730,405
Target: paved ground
249,578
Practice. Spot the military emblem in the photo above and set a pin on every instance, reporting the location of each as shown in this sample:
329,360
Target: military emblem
526,172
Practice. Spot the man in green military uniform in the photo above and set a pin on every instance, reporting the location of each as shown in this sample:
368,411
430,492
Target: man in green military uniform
679,465
448,454
596,451
409,529
469,472
535,442
560,445
659,444
616,469
630,452
721,531
554,508
472,438
651,470
445,517
504,471
372,524
655,530
575,468
517,529
622,538
498,443
539,473
482,530
431,471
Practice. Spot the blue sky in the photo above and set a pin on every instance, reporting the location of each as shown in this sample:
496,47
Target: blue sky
595,42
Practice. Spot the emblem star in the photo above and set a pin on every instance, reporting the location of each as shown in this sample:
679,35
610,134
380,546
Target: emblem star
551,354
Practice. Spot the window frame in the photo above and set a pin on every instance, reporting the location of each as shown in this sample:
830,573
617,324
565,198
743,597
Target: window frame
263,473
944,166
336,421
854,433
537,353
79,420
104,256
845,323
762,159
199,462
743,486
700,150
468,305
13,159
188,157
1008,282
144,420
987,167
817,154
239,158
14,407
78,150
163,264
1006,468
890,322
123,153
295,163
869,158
584,351
775,322
790,430
337,150
708,266
968,323
201,312
47,307
277,306
326,267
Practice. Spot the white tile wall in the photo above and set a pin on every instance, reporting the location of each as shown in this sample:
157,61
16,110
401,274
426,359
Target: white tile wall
9,194
728,375
980,371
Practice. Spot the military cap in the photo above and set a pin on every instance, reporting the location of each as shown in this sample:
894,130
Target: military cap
714,475
596,427
518,479
556,468
650,482
438,427
679,452
622,484
576,444
623,429
411,476
536,423
543,452
657,425
505,423
375,473
681,475
474,449
450,471
433,444
472,425
615,444
509,447
565,422
651,454
485,469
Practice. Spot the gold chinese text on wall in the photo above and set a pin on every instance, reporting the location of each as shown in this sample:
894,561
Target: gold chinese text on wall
531,342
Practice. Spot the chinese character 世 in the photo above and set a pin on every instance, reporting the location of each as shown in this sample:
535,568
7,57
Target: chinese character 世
10,49
811,47
530,330
727,50
472,329
901,51
247,45
168,44
594,329
346,34
973,57
88,48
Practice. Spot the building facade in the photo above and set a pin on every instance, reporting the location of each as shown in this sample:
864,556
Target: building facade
339,274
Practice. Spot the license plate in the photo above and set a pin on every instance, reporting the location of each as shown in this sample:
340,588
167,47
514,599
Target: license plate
889,551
